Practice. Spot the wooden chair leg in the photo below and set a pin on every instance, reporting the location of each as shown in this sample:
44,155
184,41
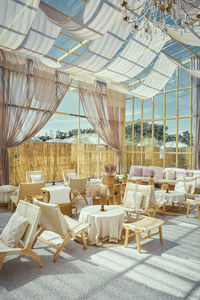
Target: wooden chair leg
188,210
164,210
126,237
11,206
85,199
83,239
66,239
138,241
29,252
138,216
160,234
40,231
2,256
198,213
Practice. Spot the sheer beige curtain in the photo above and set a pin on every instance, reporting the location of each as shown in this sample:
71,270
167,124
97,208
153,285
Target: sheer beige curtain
104,109
30,92
195,64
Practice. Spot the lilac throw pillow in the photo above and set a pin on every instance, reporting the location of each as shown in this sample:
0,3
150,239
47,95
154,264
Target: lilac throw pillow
137,172
147,172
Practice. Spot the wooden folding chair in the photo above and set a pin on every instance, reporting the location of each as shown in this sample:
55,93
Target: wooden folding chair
67,228
32,213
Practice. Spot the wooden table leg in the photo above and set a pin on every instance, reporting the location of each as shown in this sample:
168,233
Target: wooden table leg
160,233
138,241
198,213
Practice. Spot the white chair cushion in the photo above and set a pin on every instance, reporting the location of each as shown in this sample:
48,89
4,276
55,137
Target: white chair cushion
134,200
183,187
14,230
180,187
170,175
36,178
74,226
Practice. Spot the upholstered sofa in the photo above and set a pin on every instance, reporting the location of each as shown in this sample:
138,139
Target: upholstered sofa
162,173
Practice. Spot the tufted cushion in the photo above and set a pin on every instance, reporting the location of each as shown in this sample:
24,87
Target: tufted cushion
14,230
147,172
170,175
137,172
157,171
36,178
133,200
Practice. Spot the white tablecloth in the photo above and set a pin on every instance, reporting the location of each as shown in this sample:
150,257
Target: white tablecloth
105,225
171,197
58,194
5,192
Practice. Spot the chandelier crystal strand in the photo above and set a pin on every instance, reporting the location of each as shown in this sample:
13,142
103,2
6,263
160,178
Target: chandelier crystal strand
161,13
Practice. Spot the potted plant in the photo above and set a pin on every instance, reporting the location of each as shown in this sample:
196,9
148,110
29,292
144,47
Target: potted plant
124,178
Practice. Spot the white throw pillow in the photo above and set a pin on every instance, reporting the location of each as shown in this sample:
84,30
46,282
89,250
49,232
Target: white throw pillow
14,230
134,200
170,175
36,178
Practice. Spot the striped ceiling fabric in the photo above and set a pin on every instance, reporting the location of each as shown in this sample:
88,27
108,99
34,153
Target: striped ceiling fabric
16,18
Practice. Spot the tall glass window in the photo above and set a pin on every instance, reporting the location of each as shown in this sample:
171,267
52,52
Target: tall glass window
162,125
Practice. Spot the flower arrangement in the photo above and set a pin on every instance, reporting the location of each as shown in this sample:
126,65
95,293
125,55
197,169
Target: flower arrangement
110,169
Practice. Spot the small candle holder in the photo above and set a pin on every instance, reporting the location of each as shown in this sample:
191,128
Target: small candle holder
167,190
102,208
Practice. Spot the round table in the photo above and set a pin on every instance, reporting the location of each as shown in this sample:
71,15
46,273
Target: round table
171,197
104,225
5,192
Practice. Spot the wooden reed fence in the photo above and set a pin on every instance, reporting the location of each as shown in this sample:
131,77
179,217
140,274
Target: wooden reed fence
52,158
88,160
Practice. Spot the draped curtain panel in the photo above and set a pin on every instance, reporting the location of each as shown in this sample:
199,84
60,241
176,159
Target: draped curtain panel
195,64
30,93
138,53
16,18
104,109
157,79
41,36
92,22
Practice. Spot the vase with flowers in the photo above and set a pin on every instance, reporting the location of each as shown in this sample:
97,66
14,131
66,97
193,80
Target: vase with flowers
110,169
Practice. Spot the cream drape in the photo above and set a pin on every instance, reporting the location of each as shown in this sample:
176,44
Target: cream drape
104,109
101,50
29,95
157,79
92,22
195,64
16,18
41,36
138,53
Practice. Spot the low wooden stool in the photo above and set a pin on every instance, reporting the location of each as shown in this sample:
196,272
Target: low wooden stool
145,225
196,203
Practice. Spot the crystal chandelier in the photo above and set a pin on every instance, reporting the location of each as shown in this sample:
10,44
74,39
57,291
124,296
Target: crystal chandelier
161,13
